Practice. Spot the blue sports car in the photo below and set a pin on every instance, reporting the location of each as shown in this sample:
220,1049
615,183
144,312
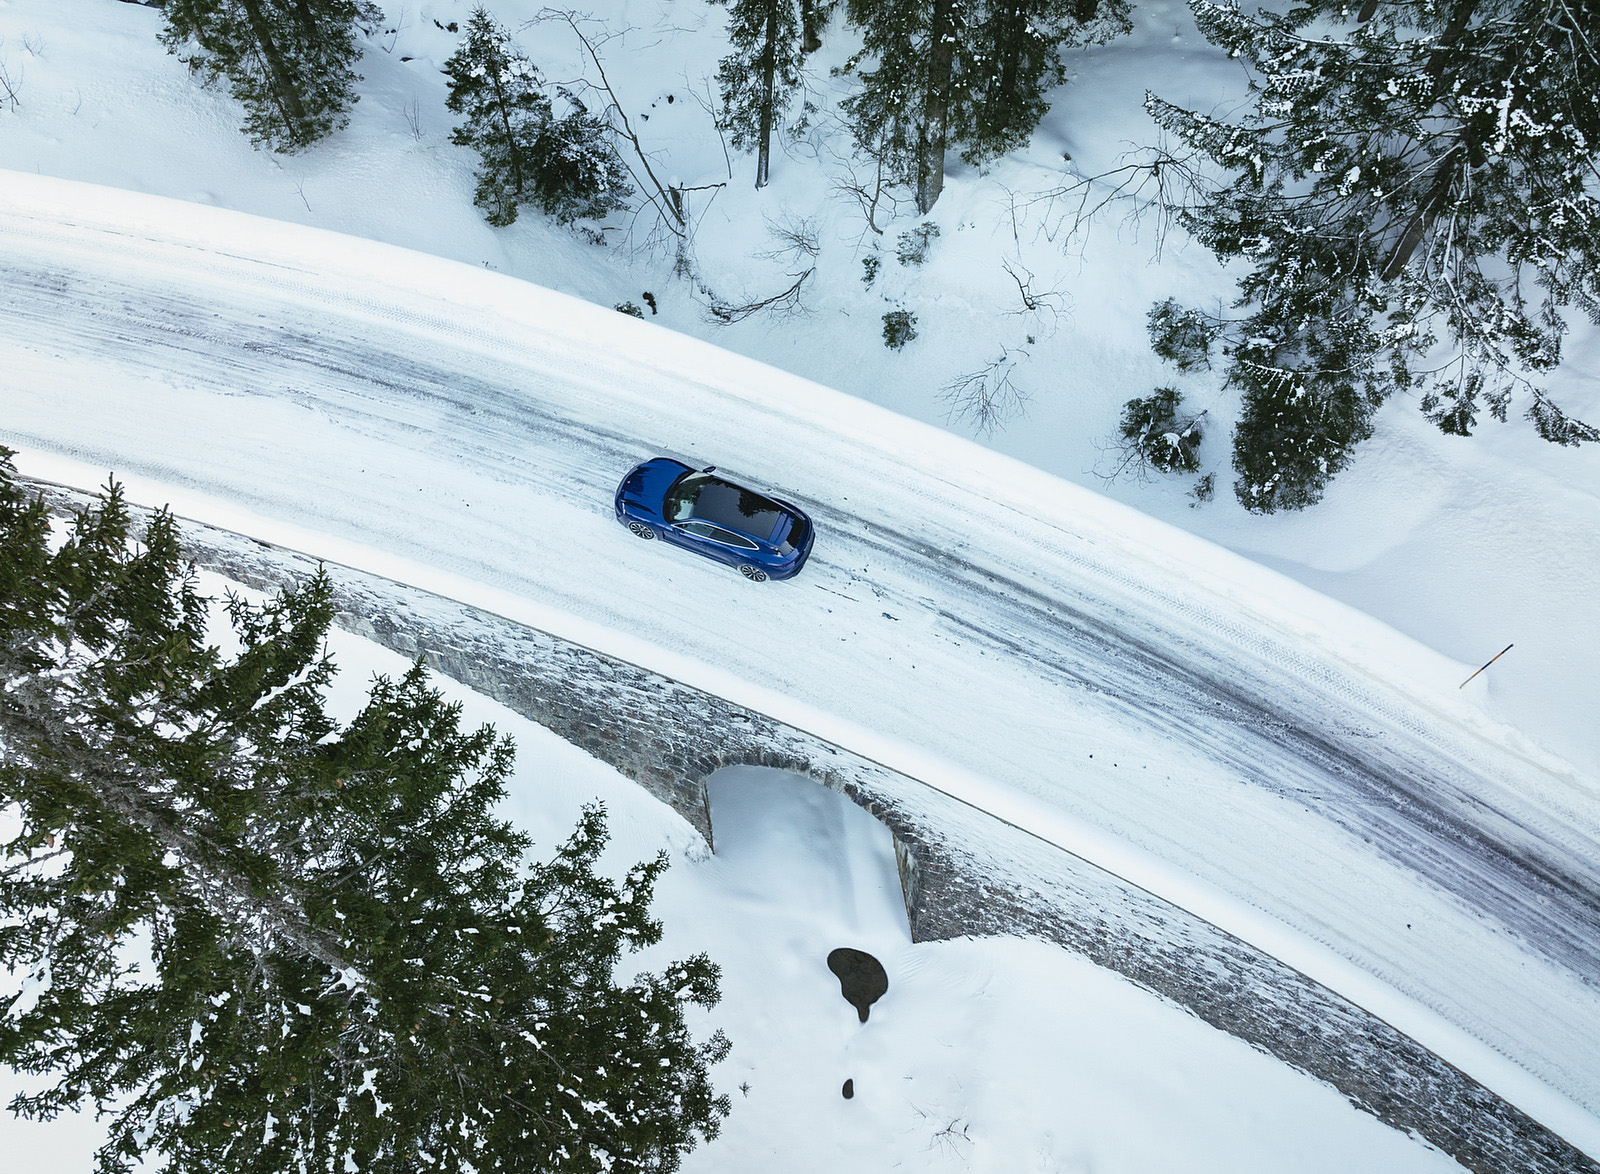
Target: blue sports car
691,508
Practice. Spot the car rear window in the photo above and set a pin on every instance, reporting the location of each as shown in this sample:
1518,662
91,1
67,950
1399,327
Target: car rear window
700,495
795,538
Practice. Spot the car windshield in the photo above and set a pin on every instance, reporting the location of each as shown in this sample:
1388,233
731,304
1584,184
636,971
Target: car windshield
700,495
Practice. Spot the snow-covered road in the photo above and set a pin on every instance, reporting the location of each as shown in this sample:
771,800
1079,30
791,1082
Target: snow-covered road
1291,753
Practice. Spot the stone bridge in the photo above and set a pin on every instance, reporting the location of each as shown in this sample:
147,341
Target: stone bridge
963,871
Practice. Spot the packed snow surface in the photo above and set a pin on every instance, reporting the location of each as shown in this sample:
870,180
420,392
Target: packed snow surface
1464,544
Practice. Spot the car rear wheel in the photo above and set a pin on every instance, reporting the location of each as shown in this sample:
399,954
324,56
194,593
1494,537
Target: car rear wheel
754,574
641,530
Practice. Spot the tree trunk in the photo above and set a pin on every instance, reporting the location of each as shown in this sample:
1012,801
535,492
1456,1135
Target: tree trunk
1452,33
936,105
284,93
1421,220
682,264
308,22
1008,16
769,68
502,106
1431,204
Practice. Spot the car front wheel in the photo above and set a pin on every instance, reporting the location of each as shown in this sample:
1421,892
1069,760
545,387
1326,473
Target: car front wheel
641,530
754,574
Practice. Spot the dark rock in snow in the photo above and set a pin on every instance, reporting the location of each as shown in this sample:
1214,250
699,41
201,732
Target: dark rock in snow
862,980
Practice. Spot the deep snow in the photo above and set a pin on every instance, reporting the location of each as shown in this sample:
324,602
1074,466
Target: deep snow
1464,546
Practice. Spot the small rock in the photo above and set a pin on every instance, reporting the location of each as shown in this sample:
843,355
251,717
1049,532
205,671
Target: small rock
849,1089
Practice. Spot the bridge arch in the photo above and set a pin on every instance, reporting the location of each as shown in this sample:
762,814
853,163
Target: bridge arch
850,855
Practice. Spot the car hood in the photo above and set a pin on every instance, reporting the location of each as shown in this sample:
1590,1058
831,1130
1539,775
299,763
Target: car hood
647,484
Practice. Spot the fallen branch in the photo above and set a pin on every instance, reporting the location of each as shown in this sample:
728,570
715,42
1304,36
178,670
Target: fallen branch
668,200
786,302
1162,182
987,398
1051,301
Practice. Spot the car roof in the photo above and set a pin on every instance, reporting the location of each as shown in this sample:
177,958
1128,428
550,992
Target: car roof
722,503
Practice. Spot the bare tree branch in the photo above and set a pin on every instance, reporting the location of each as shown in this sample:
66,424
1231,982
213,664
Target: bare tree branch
1050,302
987,398
869,195
8,88
658,194
793,237
784,303
1152,179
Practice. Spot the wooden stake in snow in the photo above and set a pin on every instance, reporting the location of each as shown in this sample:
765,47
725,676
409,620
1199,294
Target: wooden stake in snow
1487,663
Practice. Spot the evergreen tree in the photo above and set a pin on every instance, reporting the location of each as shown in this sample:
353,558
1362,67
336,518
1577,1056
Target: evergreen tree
290,63
900,113
261,942
1414,192
966,72
1157,434
1015,59
813,17
566,165
759,77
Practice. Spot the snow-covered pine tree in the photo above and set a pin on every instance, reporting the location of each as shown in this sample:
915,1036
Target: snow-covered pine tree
901,112
290,63
1014,59
759,77
565,165
1414,192
258,941
961,72
813,18
1158,434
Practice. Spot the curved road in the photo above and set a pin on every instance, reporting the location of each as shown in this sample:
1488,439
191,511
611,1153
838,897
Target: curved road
954,601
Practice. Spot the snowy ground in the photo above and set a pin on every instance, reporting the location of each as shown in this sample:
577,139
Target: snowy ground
478,432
